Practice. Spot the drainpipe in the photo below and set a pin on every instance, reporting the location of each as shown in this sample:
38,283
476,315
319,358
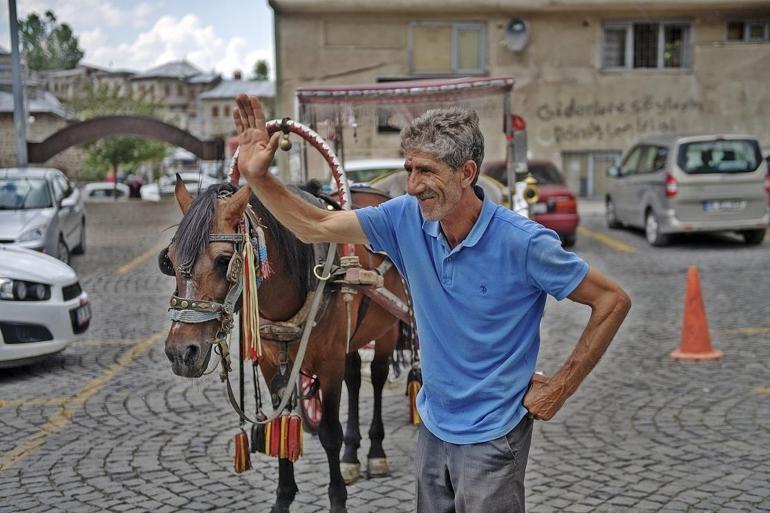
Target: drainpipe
19,114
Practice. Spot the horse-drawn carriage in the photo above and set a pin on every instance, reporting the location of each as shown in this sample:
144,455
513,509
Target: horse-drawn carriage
305,309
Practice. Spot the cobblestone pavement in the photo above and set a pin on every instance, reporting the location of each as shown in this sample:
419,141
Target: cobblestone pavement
106,426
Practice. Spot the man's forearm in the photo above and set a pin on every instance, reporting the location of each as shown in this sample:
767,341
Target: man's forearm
604,322
293,212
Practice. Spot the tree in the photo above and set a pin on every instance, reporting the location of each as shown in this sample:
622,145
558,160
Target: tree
47,44
261,70
114,153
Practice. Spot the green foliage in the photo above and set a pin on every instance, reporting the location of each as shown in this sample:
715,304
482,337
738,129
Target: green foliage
48,45
120,152
261,70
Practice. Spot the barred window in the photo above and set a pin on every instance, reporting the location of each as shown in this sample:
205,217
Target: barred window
641,45
748,30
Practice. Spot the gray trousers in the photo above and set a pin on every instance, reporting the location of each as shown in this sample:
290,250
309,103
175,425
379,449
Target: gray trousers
486,477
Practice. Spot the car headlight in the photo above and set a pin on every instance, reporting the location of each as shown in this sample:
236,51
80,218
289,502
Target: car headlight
19,290
33,234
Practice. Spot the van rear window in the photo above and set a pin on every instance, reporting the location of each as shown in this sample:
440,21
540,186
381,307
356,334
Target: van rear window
720,156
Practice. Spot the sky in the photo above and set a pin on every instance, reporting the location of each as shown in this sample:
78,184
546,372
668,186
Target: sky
222,36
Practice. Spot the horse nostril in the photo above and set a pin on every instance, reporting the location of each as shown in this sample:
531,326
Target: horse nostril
190,355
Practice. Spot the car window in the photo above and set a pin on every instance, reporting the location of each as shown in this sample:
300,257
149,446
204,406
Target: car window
652,159
367,175
631,162
546,173
719,156
106,193
24,193
64,185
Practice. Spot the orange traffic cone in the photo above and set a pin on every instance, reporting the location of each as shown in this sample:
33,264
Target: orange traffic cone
696,342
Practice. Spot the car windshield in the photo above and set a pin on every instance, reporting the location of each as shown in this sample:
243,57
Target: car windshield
24,194
720,156
546,173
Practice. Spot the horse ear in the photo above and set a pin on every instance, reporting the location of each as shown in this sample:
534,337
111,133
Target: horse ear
183,196
236,205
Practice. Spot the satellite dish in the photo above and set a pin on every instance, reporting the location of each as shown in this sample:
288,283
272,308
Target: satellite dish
516,35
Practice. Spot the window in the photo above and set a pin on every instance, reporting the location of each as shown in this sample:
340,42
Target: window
214,111
748,30
447,48
653,159
631,162
226,111
646,45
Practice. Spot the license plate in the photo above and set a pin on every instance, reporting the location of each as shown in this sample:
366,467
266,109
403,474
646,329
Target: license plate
539,208
83,314
723,205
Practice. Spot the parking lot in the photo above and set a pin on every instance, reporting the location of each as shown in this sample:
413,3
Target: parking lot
106,426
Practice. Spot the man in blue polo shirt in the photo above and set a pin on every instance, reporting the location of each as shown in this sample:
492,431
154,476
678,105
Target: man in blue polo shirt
479,275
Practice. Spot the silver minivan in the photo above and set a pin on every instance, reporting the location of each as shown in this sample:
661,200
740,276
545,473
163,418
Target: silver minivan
696,183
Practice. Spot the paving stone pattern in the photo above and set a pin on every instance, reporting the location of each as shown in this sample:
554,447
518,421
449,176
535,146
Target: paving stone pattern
643,433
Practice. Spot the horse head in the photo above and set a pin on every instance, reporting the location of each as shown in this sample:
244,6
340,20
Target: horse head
205,257
201,265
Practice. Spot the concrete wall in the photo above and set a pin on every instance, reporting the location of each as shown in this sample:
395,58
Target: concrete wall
571,104
43,125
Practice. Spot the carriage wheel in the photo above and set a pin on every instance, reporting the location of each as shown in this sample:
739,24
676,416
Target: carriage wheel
310,404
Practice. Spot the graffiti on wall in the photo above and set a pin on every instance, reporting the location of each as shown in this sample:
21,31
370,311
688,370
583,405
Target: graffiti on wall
595,120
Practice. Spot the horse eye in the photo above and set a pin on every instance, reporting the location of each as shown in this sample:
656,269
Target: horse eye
222,261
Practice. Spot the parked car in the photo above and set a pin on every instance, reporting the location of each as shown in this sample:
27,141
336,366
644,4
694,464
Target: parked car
556,207
42,307
99,192
41,210
699,183
164,187
362,172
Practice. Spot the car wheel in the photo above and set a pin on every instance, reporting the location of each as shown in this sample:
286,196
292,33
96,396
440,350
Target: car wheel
568,239
62,251
81,247
652,230
611,215
753,237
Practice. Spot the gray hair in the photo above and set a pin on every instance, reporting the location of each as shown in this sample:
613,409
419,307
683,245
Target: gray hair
452,135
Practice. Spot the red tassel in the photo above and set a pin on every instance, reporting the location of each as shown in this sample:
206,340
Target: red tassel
274,438
294,441
242,460
413,385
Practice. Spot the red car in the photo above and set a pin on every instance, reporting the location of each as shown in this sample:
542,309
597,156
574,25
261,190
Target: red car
556,207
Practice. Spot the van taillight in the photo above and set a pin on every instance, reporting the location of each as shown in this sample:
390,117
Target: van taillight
672,187
767,182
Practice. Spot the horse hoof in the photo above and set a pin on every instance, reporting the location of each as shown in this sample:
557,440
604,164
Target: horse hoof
377,467
351,472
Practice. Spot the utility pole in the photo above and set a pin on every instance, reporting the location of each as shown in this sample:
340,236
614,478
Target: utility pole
19,111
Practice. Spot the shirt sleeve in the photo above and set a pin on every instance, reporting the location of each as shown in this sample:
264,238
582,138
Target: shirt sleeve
550,267
380,225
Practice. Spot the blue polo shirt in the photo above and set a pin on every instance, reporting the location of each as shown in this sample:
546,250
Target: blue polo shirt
478,308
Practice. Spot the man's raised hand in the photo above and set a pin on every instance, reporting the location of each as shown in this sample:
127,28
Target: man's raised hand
257,148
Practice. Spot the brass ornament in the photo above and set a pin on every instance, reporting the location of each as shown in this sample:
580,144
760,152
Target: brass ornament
285,142
531,190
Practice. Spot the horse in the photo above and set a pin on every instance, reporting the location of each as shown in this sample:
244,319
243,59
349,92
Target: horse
199,257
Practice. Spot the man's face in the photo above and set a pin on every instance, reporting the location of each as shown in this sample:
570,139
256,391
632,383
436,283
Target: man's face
437,186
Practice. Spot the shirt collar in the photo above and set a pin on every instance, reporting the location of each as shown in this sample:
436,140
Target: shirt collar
433,228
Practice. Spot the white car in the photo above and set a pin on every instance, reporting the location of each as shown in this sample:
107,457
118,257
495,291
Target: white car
195,182
42,307
98,192
362,172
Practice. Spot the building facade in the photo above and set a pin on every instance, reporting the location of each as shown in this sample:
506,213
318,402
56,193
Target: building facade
591,76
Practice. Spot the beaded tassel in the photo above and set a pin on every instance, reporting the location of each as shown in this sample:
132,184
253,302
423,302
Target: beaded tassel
250,324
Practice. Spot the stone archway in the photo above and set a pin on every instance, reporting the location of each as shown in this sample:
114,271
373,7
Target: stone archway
94,129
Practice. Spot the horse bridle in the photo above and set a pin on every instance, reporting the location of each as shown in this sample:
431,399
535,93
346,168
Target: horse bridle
195,311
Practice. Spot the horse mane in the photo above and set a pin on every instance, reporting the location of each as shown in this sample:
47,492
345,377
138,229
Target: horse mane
192,235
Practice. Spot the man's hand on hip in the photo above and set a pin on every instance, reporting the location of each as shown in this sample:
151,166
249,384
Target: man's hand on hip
543,399
257,148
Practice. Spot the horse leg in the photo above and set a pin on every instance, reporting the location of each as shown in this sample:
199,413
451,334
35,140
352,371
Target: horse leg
287,487
330,436
351,467
377,464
